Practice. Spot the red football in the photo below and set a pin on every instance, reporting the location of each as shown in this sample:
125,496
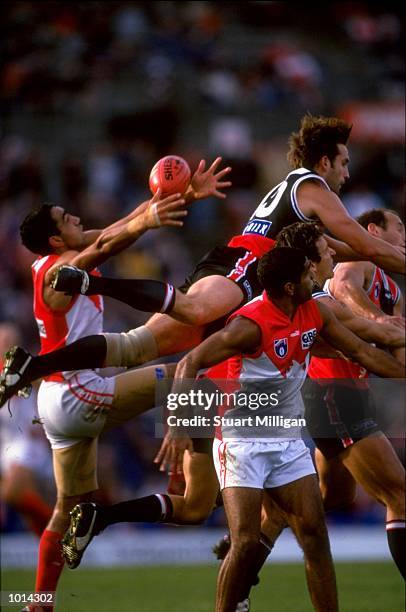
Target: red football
171,173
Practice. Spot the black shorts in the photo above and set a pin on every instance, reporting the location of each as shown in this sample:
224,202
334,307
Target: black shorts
237,264
337,416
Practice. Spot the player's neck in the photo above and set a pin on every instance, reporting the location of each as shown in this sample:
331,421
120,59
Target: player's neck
319,279
286,305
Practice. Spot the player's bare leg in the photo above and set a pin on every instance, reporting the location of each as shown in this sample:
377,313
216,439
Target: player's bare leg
207,299
302,504
172,336
337,486
243,509
374,464
75,479
201,490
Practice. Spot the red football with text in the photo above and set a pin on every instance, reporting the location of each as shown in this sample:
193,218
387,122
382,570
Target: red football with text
172,174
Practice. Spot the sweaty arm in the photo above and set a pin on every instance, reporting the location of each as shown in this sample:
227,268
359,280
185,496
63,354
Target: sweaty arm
317,201
367,329
343,251
374,360
241,335
348,287
160,211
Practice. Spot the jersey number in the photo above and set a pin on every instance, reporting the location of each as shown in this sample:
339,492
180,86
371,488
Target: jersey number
270,201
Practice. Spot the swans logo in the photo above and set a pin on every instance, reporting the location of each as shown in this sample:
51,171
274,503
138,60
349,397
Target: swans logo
281,347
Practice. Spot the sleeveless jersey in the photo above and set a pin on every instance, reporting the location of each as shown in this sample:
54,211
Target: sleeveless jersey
279,366
384,293
278,209
57,328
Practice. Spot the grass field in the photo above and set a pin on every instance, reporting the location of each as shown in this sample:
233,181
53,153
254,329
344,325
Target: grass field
363,587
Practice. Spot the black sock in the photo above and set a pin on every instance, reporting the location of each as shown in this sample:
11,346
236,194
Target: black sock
89,352
142,294
152,509
395,532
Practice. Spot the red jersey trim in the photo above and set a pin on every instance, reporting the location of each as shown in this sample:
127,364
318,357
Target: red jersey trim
258,245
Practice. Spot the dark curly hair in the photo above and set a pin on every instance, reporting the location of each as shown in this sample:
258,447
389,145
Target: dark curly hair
318,136
279,266
302,236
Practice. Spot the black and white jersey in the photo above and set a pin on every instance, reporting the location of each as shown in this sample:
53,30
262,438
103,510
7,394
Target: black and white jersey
279,207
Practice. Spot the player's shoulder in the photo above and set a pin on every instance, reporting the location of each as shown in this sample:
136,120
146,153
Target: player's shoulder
346,269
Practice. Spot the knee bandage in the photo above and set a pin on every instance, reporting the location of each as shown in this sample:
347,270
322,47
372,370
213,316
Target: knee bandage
131,348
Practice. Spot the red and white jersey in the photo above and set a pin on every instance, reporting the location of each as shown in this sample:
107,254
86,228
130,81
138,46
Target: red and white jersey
279,366
384,293
57,328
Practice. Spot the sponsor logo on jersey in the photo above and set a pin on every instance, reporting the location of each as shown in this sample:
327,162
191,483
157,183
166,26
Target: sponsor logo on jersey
308,337
41,328
248,289
257,226
281,347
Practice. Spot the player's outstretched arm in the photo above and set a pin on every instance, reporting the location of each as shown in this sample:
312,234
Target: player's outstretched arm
160,211
208,183
348,287
384,332
327,206
241,335
168,211
373,359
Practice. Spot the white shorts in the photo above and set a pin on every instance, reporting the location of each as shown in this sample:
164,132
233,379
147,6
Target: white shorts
75,409
261,465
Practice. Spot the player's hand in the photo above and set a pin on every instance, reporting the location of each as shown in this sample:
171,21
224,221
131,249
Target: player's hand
170,455
207,183
165,211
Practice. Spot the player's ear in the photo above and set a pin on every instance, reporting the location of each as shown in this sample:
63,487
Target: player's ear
373,229
289,288
325,162
56,241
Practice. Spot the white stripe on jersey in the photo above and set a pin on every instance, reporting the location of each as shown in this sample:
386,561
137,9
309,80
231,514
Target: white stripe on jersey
293,198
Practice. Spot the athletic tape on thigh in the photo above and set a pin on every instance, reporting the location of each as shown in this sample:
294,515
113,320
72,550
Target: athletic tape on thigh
131,348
